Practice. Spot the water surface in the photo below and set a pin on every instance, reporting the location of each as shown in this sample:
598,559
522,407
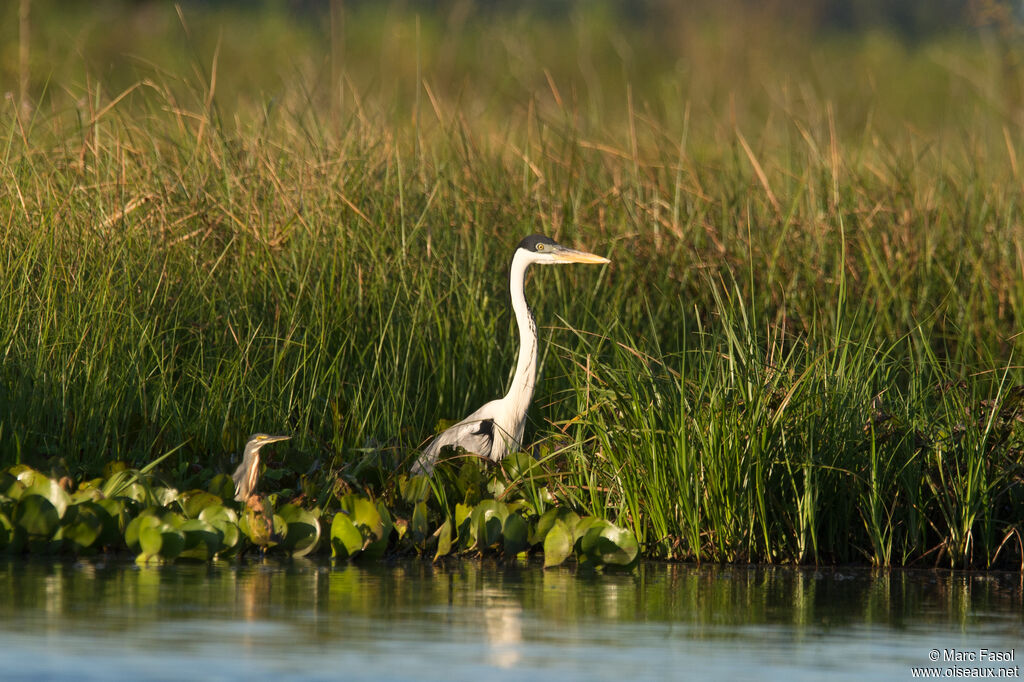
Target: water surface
473,620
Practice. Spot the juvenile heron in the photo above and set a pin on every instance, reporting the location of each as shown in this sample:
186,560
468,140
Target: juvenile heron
248,472
496,429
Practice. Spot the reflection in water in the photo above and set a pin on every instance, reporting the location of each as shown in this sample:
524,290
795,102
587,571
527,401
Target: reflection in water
504,627
414,619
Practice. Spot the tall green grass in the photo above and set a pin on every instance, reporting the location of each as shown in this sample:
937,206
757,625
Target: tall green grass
805,348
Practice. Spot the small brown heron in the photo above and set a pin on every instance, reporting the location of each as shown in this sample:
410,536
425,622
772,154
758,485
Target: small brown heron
496,429
248,472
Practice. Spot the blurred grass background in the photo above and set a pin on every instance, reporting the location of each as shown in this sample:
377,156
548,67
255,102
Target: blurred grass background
221,218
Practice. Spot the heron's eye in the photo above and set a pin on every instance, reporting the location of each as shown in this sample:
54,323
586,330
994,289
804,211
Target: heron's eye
540,247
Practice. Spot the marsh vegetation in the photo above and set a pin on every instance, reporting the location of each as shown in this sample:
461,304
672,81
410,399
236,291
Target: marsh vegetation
806,349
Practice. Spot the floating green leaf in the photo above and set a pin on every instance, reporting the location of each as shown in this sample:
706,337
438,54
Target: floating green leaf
115,523
225,520
202,540
346,540
164,495
173,519
520,466
36,515
363,513
133,532
303,530
28,476
14,489
193,502
377,547
6,531
514,534
161,540
604,543
418,524
470,482
444,539
486,522
90,494
462,512
544,523
557,544
83,525
49,489
223,486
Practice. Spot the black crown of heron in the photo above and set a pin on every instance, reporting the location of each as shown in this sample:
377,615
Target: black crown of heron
496,429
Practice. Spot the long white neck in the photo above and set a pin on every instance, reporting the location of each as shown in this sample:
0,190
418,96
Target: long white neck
521,391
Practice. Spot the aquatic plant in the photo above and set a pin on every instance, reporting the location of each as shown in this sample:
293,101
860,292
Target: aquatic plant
154,522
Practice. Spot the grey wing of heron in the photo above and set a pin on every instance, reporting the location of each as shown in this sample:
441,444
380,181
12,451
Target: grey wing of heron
473,434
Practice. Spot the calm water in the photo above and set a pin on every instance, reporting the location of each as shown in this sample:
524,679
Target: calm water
471,620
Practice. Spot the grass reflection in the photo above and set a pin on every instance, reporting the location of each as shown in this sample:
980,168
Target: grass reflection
503,606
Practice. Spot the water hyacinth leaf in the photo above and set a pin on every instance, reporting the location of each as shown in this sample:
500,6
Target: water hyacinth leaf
462,512
6,531
6,480
584,525
86,495
174,542
49,489
223,486
346,540
29,476
496,487
36,515
133,491
303,530
225,520
15,490
557,544
91,484
161,540
151,539
520,466
117,520
133,532
202,540
547,520
164,496
470,482
376,548
514,534
606,544
117,466
218,514
231,539
418,523
444,539
173,519
193,502
363,513
84,524
486,522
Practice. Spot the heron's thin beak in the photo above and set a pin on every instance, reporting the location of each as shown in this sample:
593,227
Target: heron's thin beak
273,439
567,255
